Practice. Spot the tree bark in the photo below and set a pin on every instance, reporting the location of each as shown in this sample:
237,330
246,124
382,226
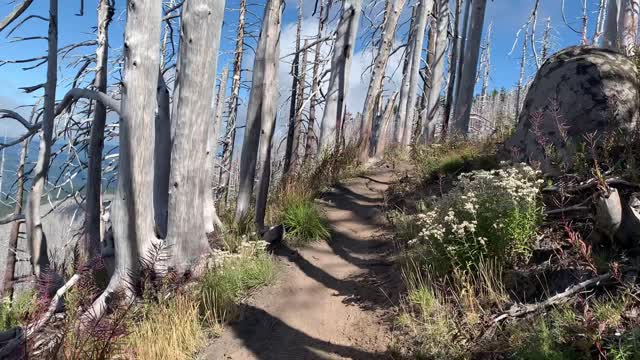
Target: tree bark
334,108
462,111
162,158
211,220
437,71
35,234
90,248
10,264
392,14
293,107
230,137
260,106
188,180
311,144
610,35
629,26
384,125
297,133
269,50
453,59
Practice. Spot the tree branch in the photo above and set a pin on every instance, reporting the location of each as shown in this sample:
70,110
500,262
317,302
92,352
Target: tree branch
77,93
17,11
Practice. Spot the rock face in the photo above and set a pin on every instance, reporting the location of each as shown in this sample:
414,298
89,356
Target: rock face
578,91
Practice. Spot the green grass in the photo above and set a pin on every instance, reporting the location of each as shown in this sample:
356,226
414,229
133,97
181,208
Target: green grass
221,289
13,313
304,222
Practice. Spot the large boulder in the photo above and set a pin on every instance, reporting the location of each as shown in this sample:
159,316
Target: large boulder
578,91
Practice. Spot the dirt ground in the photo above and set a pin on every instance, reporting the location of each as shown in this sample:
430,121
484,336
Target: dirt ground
333,299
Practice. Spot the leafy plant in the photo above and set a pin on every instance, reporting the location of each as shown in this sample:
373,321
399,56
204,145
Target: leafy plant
13,313
304,222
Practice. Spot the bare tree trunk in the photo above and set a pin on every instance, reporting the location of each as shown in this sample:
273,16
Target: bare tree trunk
334,108
462,110
404,85
392,14
462,47
384,125
35,234
546,40
453,59
585,23
600,22
297,133
188,181
487,65
311,144
424,9
230,137
629,26
162,158
211,219
261,109
610,35
520,86
90,248
437,71
270,51
10,265
293,107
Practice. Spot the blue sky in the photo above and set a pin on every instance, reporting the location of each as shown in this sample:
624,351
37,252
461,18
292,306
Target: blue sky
507,15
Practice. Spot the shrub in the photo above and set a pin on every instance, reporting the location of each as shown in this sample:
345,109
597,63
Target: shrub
304,222
489,214
170,330
232,278
452,157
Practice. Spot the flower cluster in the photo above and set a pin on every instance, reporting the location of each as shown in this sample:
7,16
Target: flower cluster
487,214
246,249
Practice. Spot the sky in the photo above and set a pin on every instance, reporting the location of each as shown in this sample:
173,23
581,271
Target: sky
507,16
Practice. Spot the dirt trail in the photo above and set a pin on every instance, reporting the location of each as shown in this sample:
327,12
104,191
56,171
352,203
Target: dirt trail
332,298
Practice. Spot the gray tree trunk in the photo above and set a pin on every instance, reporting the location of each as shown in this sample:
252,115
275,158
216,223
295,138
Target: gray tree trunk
401,115
211,220
453,59
392,13
610,35
162,158
35,234
260,105
334,108
269,50
293,102
230,136
311,145
188,180
90,248
297,133
462,111
383,137
437,71
629,26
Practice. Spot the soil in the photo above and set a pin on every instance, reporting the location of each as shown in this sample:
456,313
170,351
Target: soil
333,299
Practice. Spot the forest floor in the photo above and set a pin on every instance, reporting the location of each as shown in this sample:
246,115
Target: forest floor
333,299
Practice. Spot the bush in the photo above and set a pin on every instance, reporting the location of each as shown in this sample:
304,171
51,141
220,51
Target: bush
231,279
452,157
169,331
488,215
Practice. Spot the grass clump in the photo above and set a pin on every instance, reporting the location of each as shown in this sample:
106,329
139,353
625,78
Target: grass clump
170,330
488,215
233,278
12,313
452,157
303,221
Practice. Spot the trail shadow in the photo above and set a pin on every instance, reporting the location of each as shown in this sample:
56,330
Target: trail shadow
375,180
269,338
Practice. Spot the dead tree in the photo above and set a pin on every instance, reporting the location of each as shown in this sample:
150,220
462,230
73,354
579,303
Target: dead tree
520,85
35,234
12,248
311,143
334,108
393,9
462,111
90,248
408,98
629,26
453,59
293,102
260,116
228,143
428,117
297,133
600,23
383,137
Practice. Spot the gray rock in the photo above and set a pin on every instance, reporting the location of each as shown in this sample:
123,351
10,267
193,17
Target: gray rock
578,91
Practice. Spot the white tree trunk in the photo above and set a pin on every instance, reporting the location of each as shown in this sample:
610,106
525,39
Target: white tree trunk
35,234
462,111
610,36
211,219
629,26
260,106
311,145
188,181
334,108
437,71
393,11
269,49
453,72
415,49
